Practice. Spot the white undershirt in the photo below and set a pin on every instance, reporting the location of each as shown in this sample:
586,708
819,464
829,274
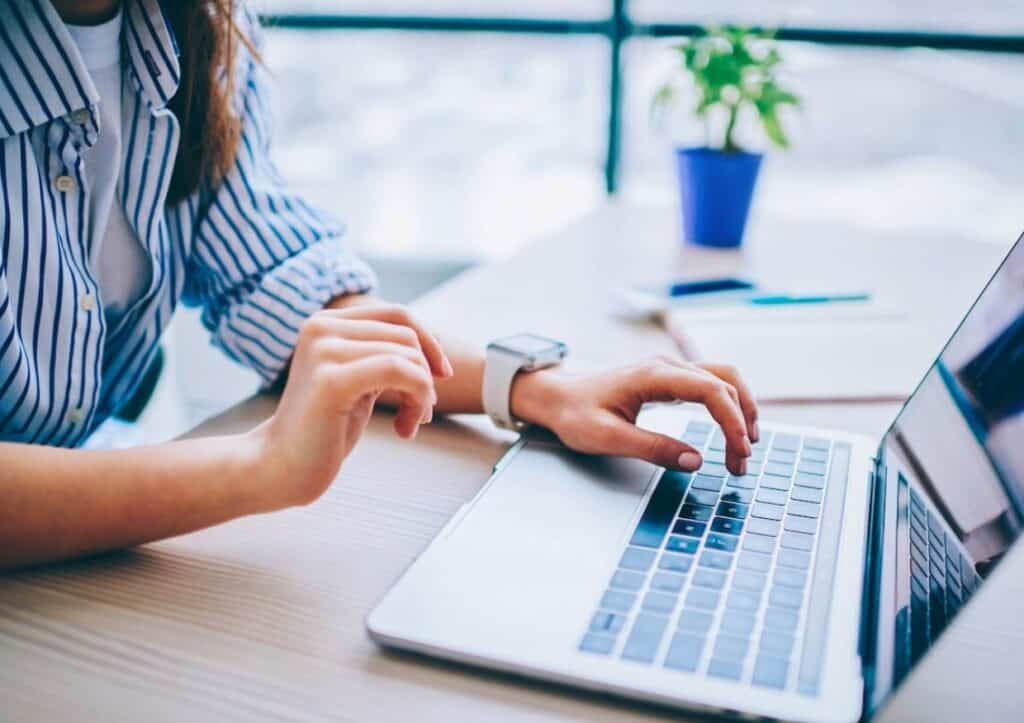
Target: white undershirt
119,262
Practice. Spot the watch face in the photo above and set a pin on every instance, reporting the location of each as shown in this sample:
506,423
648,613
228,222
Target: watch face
529,344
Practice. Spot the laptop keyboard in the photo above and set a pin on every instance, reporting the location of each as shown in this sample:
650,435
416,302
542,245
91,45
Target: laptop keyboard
941,578
716,577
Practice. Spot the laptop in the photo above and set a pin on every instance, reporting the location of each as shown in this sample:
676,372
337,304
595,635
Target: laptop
805,590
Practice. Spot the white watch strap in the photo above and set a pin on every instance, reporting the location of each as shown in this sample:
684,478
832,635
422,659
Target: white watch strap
500,369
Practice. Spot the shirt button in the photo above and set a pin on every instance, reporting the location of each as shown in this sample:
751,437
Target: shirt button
75,416
87,302
80,116
65,183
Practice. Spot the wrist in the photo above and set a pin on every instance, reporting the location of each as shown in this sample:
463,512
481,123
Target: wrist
537,397
256,469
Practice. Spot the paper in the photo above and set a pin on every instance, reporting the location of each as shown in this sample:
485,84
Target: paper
824,352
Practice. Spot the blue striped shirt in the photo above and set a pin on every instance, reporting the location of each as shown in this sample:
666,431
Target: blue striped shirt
257,258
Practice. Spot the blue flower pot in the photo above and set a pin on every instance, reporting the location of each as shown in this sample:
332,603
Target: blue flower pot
716,189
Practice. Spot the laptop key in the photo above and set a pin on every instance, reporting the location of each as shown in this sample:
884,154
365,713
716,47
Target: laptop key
628,580
807,525
817,443
732,648
794,558
675,563
689,528
804,509
729,669
702,599
735,494
699,513
749,581
766,511
780,620
778,645
715,559
659,602
760,526
778,470
618,601
747,481
782,456
684,652
643,640
637,558
812,468
712,579
814,455
770,672
715,455
695,621
599,644
789,577
797,541
719,541
605,622
733,509
745,601
738,622
776,483
774,497
682,544
755,561
713,469
759,543
727,525
667,582
702,497
706,482
789,442
810,480
661,509
786,597
806,494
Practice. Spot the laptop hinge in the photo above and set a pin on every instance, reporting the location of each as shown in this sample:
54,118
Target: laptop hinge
872,579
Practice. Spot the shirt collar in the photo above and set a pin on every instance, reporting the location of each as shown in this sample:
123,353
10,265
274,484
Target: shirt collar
42,76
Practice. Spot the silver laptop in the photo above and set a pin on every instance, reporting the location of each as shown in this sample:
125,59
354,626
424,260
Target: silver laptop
804,590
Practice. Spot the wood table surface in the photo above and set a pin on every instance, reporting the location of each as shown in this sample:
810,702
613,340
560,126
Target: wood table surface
262,618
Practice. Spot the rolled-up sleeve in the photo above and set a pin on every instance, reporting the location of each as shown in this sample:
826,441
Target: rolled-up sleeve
264,259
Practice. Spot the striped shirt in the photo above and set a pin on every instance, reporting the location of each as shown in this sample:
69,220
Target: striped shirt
257,258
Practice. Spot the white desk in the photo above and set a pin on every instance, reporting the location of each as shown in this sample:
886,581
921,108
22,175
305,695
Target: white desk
262,618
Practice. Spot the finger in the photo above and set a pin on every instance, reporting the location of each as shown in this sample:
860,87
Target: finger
347,383
398,315
661,382
340,350
747,403
619,437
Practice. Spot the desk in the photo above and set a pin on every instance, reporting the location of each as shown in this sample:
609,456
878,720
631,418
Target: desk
262,618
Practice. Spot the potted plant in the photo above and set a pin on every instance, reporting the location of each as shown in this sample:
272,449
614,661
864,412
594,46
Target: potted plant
733,72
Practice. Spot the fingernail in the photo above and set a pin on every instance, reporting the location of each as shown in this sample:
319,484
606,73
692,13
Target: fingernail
449,370
747,449
755,432
743,467
689,461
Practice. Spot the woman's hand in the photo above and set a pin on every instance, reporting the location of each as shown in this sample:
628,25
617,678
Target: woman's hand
596,413
344,361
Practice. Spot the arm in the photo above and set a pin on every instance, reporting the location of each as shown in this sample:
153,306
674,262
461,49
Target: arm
60,503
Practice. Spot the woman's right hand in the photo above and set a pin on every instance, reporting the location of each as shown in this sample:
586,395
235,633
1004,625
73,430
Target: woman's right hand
344,360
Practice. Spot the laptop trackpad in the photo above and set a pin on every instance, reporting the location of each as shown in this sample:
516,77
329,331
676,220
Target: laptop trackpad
533,553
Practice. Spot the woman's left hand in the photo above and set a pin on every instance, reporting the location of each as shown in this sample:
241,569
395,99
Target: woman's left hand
596,413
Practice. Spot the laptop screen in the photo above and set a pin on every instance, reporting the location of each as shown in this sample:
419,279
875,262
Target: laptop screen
955,461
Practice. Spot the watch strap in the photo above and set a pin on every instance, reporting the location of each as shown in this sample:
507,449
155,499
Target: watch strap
500,369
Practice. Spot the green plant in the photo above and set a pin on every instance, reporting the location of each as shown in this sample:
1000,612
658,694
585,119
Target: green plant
732,68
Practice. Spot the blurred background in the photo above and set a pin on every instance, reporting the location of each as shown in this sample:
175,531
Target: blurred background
448,133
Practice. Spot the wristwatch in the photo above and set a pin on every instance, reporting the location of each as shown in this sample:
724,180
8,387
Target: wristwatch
508,357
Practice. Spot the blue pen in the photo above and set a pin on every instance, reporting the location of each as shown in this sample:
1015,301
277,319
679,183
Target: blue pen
784,299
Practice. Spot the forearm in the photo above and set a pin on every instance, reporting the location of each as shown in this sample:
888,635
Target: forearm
61,503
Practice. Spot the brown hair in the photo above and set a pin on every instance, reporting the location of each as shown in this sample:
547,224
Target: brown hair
207,38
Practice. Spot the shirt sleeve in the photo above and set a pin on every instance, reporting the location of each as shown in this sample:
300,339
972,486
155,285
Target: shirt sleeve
263,259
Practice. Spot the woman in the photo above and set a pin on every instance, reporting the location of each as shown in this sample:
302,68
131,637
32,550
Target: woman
135,174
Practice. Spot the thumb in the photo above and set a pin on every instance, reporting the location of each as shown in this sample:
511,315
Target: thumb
631,441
